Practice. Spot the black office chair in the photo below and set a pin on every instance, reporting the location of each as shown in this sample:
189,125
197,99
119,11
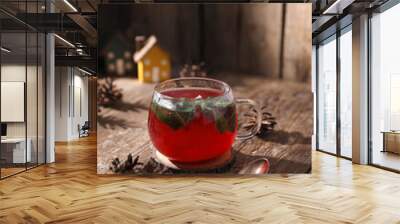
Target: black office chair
84,130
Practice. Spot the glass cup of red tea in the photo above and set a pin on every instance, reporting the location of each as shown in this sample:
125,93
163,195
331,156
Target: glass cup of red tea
194,120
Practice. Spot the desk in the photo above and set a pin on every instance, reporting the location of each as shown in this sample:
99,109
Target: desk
391,141
13,150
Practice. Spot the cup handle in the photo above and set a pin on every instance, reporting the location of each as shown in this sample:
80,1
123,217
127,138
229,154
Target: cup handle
256,107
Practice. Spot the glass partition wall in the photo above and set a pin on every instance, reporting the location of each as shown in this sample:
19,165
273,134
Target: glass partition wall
334,94
22,107
13,86
385,89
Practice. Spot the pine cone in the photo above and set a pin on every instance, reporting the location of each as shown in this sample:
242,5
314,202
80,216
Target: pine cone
128,166
268,122
194,70
107,92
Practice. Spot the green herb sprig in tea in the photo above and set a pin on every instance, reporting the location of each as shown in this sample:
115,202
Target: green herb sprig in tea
215,109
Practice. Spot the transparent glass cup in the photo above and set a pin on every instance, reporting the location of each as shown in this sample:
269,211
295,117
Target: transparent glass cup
195,119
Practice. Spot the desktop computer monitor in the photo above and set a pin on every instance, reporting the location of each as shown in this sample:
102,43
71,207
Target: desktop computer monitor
3,130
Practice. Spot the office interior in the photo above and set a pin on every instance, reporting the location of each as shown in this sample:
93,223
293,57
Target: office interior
48,171
43,99
356,83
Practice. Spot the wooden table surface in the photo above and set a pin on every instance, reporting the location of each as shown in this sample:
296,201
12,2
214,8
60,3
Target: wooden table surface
123,128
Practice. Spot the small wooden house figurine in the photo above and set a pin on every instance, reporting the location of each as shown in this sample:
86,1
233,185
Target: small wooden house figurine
154,64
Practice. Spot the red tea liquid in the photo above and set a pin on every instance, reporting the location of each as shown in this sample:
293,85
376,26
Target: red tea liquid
195,135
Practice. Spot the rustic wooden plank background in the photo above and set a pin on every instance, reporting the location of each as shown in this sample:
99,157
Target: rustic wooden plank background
123,128
243,38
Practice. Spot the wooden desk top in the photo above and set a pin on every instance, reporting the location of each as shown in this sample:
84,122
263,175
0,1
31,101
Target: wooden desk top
13,140
391,132
123,128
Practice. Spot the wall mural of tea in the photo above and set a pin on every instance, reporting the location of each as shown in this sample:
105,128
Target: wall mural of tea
204,89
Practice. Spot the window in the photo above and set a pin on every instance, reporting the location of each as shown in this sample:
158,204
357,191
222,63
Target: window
314,90
385,89
327,95
346,93
333,137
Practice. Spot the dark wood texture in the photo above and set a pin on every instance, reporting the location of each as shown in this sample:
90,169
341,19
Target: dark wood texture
122,129
227,37
92,102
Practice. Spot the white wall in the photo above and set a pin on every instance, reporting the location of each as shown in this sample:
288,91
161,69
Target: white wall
70,83
62,81
14,72
81,81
